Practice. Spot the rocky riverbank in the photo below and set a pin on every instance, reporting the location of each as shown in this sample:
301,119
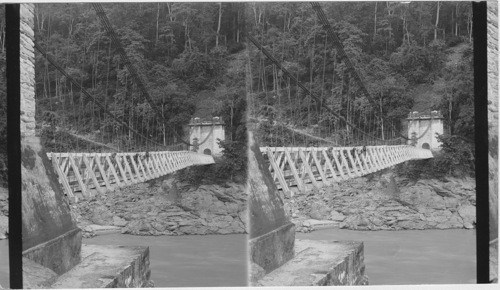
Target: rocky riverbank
386,202
165,207
4,213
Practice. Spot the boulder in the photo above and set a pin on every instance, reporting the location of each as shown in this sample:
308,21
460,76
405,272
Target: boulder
119,222
100,215
256,273
319,211
336,216
138,226
468,215
194,230
4,227
4,194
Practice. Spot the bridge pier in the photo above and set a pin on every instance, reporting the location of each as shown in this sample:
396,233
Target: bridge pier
272,235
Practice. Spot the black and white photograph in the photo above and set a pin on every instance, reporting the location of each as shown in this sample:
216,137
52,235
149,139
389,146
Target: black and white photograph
133,145
364,116
4,191
235,144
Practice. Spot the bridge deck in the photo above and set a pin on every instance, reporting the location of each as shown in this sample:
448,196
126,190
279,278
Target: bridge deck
296,166
100,172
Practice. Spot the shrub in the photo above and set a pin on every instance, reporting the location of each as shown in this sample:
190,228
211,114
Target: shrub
453,41
456,158
231,166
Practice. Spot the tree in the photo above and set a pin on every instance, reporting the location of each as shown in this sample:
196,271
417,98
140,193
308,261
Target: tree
438,6
172,46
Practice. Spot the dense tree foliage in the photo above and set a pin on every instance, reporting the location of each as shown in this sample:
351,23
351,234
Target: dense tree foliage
397,48
191,56
188,54
180,50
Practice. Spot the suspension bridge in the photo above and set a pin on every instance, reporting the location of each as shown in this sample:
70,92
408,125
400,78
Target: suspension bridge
315,131
101,138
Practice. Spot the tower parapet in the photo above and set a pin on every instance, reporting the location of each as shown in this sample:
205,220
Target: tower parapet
425,125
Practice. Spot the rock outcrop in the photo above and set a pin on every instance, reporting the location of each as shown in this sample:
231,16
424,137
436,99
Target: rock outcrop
492,30
163,207
4,213
390,203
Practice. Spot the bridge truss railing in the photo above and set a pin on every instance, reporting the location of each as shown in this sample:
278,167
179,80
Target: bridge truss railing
91,173
321,166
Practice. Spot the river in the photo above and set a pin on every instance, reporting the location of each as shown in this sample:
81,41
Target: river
4,263
412,257
391,257
189,261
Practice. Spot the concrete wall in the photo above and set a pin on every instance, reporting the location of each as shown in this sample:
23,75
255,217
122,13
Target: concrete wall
50,235
272,235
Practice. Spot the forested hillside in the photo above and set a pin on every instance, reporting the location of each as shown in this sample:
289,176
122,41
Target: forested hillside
414,55
181,51
411,56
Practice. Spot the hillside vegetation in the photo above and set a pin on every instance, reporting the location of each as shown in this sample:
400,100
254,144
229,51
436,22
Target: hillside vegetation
410,56
182,51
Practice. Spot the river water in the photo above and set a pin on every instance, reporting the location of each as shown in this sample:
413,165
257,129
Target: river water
4,263
412,257
189,261
391,257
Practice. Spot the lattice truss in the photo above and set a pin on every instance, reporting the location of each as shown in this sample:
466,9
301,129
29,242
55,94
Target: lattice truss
321,166
91,173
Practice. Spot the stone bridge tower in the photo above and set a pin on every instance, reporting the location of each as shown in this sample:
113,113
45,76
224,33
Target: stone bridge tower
426,125
209,129
51,239
50,235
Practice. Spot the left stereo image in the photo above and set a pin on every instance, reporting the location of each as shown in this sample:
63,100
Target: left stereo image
133,143
4,191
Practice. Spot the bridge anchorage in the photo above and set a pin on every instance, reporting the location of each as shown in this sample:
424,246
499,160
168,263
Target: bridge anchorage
204,135
427,125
